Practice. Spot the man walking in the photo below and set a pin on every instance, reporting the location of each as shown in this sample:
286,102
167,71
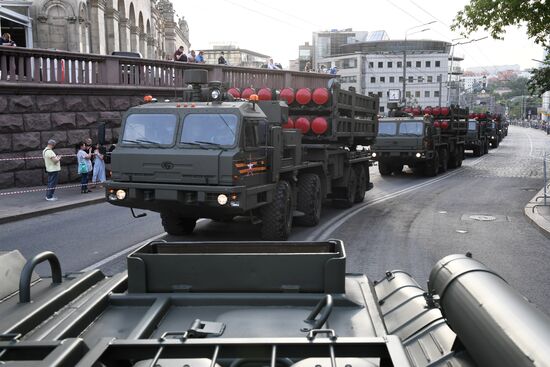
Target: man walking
51,161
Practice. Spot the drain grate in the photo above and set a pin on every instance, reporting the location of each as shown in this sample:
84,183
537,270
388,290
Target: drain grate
485,218
482,218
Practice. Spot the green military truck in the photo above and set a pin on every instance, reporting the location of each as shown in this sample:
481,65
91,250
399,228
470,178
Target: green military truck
273,156
428,143
491,126
476,139
256,304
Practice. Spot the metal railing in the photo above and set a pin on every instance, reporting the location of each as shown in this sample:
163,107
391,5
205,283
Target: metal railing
22,65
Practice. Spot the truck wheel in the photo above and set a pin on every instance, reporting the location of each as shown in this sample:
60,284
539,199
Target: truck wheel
460,158
384,168
477,151
346,196
309,200
176,225
444,161
362,182
432,167
277,215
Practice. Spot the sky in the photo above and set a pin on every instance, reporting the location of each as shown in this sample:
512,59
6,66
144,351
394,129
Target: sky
277,28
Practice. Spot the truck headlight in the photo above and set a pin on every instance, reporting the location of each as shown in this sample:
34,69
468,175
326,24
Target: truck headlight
222,199
373,155
418,155
120,194
215,94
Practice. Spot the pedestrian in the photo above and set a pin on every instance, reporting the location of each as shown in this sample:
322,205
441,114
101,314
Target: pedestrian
99,164
308,68
53,166
221,59
84,166
200,58
271,65
191,56
90,150
6,40
180,55
323,69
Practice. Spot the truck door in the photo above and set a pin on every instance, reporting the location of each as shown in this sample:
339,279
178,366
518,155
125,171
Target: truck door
251,164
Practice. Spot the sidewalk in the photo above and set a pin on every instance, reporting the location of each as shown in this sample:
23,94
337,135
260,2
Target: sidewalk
539,214
26,202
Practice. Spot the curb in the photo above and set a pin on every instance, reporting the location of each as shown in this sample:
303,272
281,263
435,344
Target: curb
60,208
531,212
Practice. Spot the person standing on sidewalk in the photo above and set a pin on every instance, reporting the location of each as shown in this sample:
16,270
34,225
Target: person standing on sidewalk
84,166
51,161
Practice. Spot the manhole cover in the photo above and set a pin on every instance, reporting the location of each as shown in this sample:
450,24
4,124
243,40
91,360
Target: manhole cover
461,231
482,218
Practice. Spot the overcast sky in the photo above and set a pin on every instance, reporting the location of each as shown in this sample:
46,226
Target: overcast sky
277,27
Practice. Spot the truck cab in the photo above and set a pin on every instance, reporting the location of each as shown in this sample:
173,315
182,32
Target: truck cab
475,139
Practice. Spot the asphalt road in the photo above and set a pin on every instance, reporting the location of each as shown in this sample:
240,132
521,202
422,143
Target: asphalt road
406,222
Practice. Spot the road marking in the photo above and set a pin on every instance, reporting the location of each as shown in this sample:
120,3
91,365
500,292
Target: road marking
333,224
126,250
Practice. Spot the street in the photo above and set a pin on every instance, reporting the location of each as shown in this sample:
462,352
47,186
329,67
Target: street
406,222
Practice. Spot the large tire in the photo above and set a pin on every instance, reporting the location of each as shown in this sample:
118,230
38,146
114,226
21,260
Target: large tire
346,196
431,168
486,147
277,215
444,161
177,225
478,151
362,183
309,200
384,168
460,158
397,169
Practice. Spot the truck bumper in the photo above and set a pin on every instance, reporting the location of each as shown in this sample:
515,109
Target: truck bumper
410,157
195,200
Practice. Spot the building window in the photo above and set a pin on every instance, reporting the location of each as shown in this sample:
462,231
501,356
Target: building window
439,78
436,93
420,79
409,64
411,79
417,94
418,64
390,64
427,94
380,64
430,79
408,94
392,79
371,64
399,64
381,108
348,63
437,64
382,79
400,79
380,94
372,79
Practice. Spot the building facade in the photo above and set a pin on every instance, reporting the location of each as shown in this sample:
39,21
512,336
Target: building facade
149,27
236,56
377,67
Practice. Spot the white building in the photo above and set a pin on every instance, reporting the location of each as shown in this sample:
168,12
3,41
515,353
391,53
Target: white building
473,83
377,68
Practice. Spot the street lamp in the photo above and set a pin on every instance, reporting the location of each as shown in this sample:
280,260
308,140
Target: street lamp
403,98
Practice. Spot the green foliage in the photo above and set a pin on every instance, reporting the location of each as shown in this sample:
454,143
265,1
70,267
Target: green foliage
540,78
494,16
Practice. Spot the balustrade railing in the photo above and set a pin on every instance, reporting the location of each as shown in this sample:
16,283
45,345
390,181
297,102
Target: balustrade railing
22,65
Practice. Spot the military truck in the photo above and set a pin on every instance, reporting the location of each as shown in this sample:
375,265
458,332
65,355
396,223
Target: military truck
268,155
428,143
491,125
276,304
476,139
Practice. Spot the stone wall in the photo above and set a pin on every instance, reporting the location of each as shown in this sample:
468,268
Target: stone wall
27,122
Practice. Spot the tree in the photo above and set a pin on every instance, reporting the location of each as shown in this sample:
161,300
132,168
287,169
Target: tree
494,16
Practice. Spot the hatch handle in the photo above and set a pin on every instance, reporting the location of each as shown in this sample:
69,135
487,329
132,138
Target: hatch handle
26,273
313,333
323,309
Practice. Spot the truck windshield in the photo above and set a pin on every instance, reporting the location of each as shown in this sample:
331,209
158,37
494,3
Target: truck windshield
209,128
387,129
411,128
148,128
472,126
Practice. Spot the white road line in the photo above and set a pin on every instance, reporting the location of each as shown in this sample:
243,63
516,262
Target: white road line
127,250
336,222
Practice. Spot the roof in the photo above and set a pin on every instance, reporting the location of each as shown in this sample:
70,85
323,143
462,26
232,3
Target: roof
241,50
397,46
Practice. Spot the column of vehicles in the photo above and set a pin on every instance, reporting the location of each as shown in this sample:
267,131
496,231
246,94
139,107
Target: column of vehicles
432,140
273,156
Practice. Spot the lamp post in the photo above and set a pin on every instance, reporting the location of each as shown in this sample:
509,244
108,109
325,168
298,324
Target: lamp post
403,98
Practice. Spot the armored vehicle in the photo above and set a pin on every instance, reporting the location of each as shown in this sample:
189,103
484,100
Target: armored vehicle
258,304
428,144
491,125
476,139
272,156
